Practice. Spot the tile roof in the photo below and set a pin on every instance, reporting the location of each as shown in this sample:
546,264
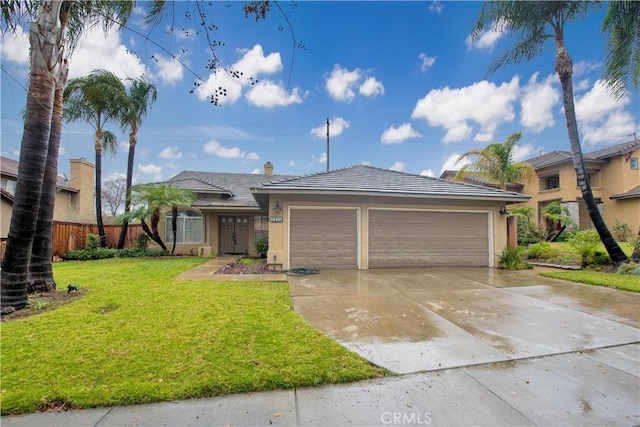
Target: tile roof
478,178
629,194
558,156
236,185
375,181
9,168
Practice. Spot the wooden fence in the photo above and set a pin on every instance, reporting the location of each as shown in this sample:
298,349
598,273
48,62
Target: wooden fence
68,236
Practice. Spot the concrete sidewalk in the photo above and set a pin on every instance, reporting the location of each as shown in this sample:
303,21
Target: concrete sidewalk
599,387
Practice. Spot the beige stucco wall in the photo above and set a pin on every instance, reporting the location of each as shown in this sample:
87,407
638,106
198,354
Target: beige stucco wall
278,231
210,232
609,178
6,207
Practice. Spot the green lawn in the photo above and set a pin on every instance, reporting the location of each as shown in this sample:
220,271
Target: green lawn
618,281
138,335
611,280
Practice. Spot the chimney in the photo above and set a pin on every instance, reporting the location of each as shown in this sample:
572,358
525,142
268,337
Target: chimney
268,168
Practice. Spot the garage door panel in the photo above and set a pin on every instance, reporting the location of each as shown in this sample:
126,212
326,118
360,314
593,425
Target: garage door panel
323,238
420,238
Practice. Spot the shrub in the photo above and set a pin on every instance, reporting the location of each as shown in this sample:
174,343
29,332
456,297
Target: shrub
587,243
262,245
142,242
542,250
629,268
89,254
511,259
93,242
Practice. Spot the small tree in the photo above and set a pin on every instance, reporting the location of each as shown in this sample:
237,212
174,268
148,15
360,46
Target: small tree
557,219
113,194
149,199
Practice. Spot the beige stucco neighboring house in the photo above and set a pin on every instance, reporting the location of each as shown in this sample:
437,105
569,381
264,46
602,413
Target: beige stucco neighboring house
74,196
358,217
615,181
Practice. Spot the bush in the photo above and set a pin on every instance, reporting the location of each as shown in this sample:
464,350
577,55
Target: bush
632,268
89,254
511,259
542,250
262,245
587,243
93,242
142,242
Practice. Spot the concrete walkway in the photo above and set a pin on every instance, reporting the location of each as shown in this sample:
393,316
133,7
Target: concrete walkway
576,363
206,272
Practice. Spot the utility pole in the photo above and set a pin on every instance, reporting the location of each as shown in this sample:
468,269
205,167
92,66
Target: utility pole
327,144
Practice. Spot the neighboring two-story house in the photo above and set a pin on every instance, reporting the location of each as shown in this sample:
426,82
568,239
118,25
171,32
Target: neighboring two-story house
615,181
74,196
613,173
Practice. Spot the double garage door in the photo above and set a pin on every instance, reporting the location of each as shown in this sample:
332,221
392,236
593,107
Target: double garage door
328,238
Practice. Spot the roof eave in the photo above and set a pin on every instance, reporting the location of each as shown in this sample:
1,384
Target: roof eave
515,198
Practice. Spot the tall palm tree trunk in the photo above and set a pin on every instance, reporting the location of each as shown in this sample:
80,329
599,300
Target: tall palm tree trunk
174,227
127,201
45,41
98,199
40,277
564,68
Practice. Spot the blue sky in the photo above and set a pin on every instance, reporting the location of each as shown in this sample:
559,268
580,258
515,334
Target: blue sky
401,83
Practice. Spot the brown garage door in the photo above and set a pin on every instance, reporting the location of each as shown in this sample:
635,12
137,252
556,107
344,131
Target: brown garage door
323,238
422,239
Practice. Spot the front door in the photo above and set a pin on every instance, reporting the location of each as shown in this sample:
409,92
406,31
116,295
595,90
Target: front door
234,234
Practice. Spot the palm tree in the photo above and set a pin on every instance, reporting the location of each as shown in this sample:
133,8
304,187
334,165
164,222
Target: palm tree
531,22
54,25
622,25
96,99
142,95
496,161
149,199
40,275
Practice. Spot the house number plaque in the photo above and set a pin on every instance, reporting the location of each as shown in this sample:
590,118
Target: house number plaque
275,219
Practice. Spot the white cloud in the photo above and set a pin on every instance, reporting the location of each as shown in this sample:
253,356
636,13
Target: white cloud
168,70
427,62
269,94
484,103
582,85
173,153
320,160
427,172
96,44
583,67
292,163
371,87
486,40
601,117
336,126
400,134
436,6
522,152
256,171
229,84
397,166
342,83
219,150
451,163
151,169
14,47
537,103
114,176
366,163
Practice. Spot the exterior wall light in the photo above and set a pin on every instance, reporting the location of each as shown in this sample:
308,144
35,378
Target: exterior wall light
503,210
277,207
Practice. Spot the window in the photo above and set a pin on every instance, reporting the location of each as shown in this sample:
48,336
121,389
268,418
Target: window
189,227
260,227
634,163
553,182
9,185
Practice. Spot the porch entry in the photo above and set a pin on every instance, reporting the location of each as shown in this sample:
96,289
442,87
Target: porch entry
234,234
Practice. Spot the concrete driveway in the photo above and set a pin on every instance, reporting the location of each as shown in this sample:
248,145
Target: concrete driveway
412,320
